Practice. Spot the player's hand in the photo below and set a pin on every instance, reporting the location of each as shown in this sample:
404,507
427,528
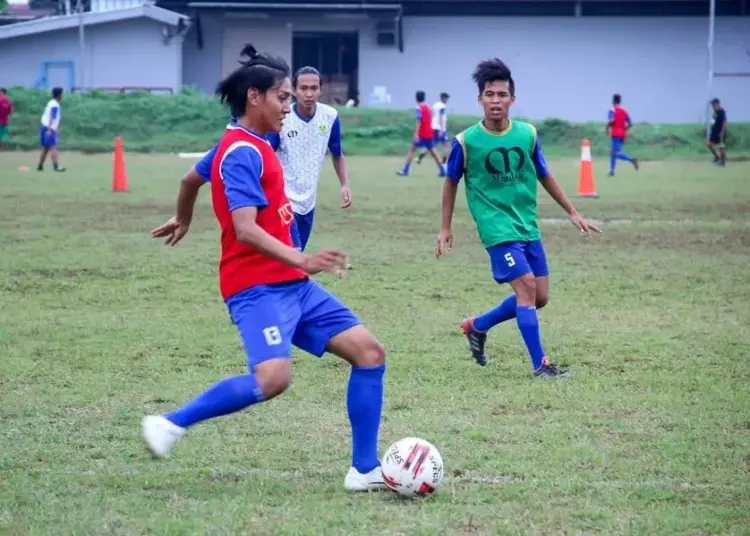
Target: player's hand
332,261
583,225
444,242
173,229
346,197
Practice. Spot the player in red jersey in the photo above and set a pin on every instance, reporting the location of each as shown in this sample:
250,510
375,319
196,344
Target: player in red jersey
423,136
618,125
265,281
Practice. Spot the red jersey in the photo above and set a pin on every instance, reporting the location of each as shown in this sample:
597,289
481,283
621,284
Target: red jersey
619,120
424,116
6,109
257,181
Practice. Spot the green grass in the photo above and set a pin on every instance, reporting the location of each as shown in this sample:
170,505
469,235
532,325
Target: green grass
100,325
191,121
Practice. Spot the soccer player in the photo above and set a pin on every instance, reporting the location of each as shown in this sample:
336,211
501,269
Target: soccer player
718,134
48,131
423,137
312,130
265,281
439,127
6,110
501,161
618,125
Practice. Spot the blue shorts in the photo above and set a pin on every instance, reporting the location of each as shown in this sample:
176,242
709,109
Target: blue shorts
511,260
302,228
47,140
439,137
617,144
423,143
272,318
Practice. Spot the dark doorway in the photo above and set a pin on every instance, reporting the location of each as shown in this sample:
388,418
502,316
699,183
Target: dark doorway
336,56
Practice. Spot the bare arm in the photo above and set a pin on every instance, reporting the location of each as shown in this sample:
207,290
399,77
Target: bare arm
450,188
250,233
339,164
187,196
553,189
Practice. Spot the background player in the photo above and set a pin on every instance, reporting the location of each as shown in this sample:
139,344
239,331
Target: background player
312,130
439,128
6,110
501,161
718,134
265,284
309,132
422,136
49,129
618,126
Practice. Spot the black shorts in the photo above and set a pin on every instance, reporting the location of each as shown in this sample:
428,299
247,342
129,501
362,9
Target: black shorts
715,138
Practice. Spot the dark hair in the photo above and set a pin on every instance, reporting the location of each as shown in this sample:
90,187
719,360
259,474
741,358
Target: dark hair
259,71
444,96
306,70
420,96
714,101
616,98
493,70
3,91
57,92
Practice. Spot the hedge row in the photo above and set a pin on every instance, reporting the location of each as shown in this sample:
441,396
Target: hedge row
192,121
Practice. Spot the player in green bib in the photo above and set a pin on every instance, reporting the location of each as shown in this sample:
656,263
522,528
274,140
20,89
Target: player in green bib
501,162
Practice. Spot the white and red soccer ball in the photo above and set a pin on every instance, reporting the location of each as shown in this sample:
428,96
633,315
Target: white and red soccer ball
412,466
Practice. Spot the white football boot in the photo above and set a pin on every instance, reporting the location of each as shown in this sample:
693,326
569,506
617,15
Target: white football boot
372,481
160,434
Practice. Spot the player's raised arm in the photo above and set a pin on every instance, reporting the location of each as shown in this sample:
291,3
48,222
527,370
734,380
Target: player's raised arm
553,189
455,172
339,162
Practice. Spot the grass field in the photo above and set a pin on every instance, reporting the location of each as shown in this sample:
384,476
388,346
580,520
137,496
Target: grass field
651,435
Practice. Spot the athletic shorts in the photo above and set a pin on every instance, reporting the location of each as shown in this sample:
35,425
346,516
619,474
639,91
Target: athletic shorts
424,143
302,228
511,260
47,140
273,318
715,139
439,137
617,144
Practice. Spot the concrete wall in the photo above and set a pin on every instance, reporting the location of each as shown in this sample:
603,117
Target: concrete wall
564,67
127,53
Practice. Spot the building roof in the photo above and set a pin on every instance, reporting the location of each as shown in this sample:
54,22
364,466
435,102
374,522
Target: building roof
63,22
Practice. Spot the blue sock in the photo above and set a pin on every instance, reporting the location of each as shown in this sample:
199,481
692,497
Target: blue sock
528,325
623,156
364,403
228,396
505,311
612,162
405,169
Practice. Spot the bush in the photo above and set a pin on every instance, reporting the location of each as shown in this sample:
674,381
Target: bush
192,121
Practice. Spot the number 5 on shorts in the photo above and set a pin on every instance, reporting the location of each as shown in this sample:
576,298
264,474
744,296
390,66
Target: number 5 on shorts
510,260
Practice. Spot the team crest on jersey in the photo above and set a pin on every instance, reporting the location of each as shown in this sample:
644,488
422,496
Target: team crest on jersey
322,128
286,213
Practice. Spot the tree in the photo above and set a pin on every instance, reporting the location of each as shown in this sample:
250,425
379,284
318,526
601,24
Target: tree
3,6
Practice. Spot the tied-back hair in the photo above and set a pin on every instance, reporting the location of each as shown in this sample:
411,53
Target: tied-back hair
493,70
259,71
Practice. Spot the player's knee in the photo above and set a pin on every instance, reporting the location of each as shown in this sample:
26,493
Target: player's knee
525,289
373,354
274,376
541,299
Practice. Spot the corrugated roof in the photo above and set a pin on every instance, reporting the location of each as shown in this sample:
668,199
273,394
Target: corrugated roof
62,22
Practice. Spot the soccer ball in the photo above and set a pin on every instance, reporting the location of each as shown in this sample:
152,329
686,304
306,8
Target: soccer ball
412,466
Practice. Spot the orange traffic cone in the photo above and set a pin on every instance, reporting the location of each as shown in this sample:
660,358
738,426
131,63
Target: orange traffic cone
586,187
119,178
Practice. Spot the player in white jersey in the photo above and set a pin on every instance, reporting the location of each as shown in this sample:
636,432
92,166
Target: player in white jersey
439,127
311,131
48,130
